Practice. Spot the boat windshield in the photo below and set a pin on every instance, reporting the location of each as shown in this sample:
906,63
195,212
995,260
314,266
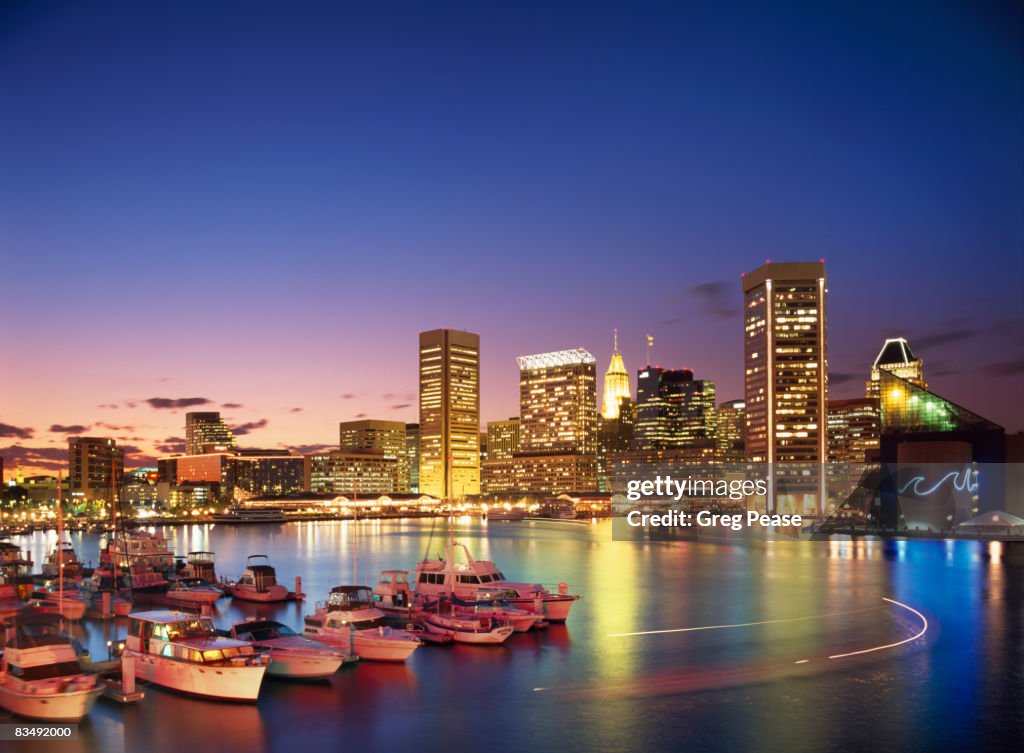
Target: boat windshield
198,628
264,631
345,597
45,671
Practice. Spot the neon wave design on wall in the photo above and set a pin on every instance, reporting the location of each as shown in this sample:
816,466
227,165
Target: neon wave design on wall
961,481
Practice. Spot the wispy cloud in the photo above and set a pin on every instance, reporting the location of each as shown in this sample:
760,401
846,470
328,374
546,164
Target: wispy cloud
71,429
15,432
243,429
164,403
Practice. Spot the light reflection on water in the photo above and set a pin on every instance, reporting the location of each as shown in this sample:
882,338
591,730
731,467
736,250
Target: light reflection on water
724,689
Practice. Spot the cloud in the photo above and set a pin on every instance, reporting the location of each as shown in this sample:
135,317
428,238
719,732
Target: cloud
171,445
1006,368
162,403
348,396
49,458
399,406
295,410
232,406
72,429
15,432
115,428
308,449
923,342
360,415
835,378
717,298
243,429
109,406
389,396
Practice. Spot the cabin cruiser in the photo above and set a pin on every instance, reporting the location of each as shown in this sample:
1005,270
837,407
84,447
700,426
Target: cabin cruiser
292,655
193,591
439,577
250,515
138,548
197,565
104,583
184,653
350,620
496,604
40,678
258,582
63,555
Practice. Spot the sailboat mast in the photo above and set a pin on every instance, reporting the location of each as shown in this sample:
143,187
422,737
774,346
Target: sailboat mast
355,534
60,543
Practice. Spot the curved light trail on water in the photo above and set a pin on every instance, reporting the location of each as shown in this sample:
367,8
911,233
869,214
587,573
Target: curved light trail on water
741,624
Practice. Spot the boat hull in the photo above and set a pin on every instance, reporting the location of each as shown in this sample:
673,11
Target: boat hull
494,637
274,593
300,665
554,608
218,683
194,597
50,707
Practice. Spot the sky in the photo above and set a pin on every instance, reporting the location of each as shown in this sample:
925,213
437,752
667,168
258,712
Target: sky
256,207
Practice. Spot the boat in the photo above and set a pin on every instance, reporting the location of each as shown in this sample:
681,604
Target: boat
250,515
183,652
144,582
197,565
10,602
69,605
136,548
435,578
445,618
258,582
40,678
193,591
62,556
497,605
103,584
292,655
506,513
11,558
350,620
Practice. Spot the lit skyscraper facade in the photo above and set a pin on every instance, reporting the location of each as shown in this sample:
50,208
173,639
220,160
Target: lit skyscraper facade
732,422
449,413
386,436
616,383
854,430
95,468
502,438
673,410
897,358
786,371
204,430
557,402
412,456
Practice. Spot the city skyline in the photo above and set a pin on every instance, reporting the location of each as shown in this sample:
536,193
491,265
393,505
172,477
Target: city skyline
265,236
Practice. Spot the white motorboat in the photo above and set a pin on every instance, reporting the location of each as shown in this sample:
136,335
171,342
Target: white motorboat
436,578
483,630
497,605
193,591
258,582
350,620
184,653
292,655
70,605
40,678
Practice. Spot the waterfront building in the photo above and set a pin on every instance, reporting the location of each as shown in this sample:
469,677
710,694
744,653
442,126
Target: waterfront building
374,435
449,445
95,468
140,487
541,473
233,476
205,430
854,430
503,438
785,374
673,410
897,358
731,427
367,472
412,456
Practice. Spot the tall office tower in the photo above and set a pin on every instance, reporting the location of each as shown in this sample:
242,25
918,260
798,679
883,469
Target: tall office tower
373,435
449,413
732,422
557,402
483,446
614,437
673,410
95,468
205,430
412,456
616,383
897,358
854,430
786,377
502,438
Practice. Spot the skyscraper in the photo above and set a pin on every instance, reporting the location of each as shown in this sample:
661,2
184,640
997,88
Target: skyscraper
205,430
502,438
732,421
786,375
412,456
95,468
373,435
557,402
897,358
449,413
673,410
616,383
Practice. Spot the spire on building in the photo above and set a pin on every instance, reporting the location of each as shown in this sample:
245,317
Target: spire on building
616,382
